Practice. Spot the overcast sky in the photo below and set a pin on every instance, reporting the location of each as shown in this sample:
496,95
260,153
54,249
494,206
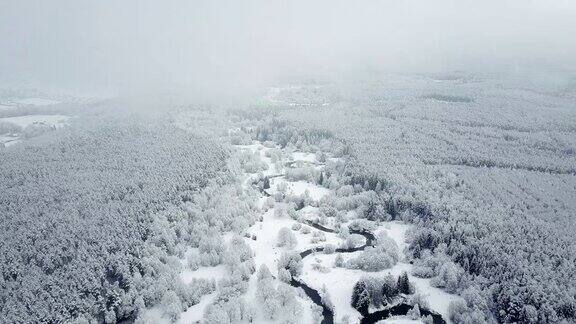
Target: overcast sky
129,42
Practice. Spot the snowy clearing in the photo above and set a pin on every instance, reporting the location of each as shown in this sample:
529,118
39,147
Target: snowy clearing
51,120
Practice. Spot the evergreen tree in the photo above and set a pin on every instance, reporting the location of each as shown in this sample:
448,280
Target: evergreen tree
403,284
389,289
360,297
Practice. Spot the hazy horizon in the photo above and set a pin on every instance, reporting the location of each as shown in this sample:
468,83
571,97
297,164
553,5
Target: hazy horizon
227,44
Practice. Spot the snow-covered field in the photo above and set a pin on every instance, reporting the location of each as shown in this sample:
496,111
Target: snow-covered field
21,127
36,101
56,121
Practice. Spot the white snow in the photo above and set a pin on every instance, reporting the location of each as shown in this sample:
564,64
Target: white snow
339,282
399,320
194,313
302,156
8,140
23,121
215,273
299,188
36,101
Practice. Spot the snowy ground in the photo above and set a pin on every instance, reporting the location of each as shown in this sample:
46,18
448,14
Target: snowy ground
319,270
53,120
36,101
399,320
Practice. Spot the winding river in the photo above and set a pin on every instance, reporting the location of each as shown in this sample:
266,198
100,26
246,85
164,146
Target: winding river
327,313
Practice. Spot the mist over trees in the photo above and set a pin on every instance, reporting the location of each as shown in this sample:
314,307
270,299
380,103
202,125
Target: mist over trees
141,140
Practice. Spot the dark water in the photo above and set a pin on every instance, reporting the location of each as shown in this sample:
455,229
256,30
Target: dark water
314,295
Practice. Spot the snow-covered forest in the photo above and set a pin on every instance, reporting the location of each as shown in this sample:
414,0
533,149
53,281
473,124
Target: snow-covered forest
315,162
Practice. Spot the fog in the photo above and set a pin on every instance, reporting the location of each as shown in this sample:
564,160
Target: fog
211,45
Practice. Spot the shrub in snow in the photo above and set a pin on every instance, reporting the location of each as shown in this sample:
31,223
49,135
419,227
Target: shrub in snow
373,259
278,196
362,225
286,238
171,305
296,226
328,211
419,299
343,231
339,261
284,275
292,213
280,210
318,236
193,260
329,248
264,272
321,156
268,203
320,268
305,229
282,187
292,262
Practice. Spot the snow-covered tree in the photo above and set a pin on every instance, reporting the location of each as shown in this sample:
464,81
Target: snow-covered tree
360,297
286,238
292,262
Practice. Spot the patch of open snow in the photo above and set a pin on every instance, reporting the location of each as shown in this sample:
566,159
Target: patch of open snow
299,188
8,140
399,320
195,313
396,230
23,121
339,282
215,273
36,101
266,232
302,156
